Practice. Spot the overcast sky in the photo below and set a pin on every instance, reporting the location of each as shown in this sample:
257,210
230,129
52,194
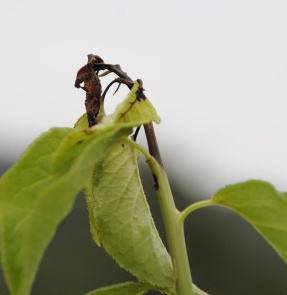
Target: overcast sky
214,70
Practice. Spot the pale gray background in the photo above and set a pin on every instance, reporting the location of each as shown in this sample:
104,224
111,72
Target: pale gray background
213,69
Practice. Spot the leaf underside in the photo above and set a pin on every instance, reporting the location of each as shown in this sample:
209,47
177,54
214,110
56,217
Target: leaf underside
261,205
119,215
120,218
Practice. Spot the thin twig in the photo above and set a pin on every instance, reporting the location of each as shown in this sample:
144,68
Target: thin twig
149,129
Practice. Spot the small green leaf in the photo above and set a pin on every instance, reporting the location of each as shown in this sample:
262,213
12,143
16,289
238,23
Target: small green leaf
128,288
260,204
134,110
82,122
121,220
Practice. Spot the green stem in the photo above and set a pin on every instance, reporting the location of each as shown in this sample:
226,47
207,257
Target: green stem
194,207
173,226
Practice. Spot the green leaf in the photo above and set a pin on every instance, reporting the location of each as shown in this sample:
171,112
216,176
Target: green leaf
128,288
134,110
128,234
121,220
24,235
82,122
35,197
84,143
260,204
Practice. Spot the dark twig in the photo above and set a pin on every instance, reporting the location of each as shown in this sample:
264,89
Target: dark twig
120,81
135,135
109,86
97,64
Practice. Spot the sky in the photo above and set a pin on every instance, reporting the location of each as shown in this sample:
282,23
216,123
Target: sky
214,70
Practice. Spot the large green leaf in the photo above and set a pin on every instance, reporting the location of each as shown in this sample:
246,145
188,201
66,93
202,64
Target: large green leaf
23,235
121,220
34,198
119,215
264,207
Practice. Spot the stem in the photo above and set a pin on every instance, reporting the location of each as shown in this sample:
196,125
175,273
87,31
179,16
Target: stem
173,226
174,230
152,142
194,207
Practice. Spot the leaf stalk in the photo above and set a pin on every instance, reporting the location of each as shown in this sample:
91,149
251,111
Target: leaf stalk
194,207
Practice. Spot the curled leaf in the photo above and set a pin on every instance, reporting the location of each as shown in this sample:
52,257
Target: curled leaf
121,220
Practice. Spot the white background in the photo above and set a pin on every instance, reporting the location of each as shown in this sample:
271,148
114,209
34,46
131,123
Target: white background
214,70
